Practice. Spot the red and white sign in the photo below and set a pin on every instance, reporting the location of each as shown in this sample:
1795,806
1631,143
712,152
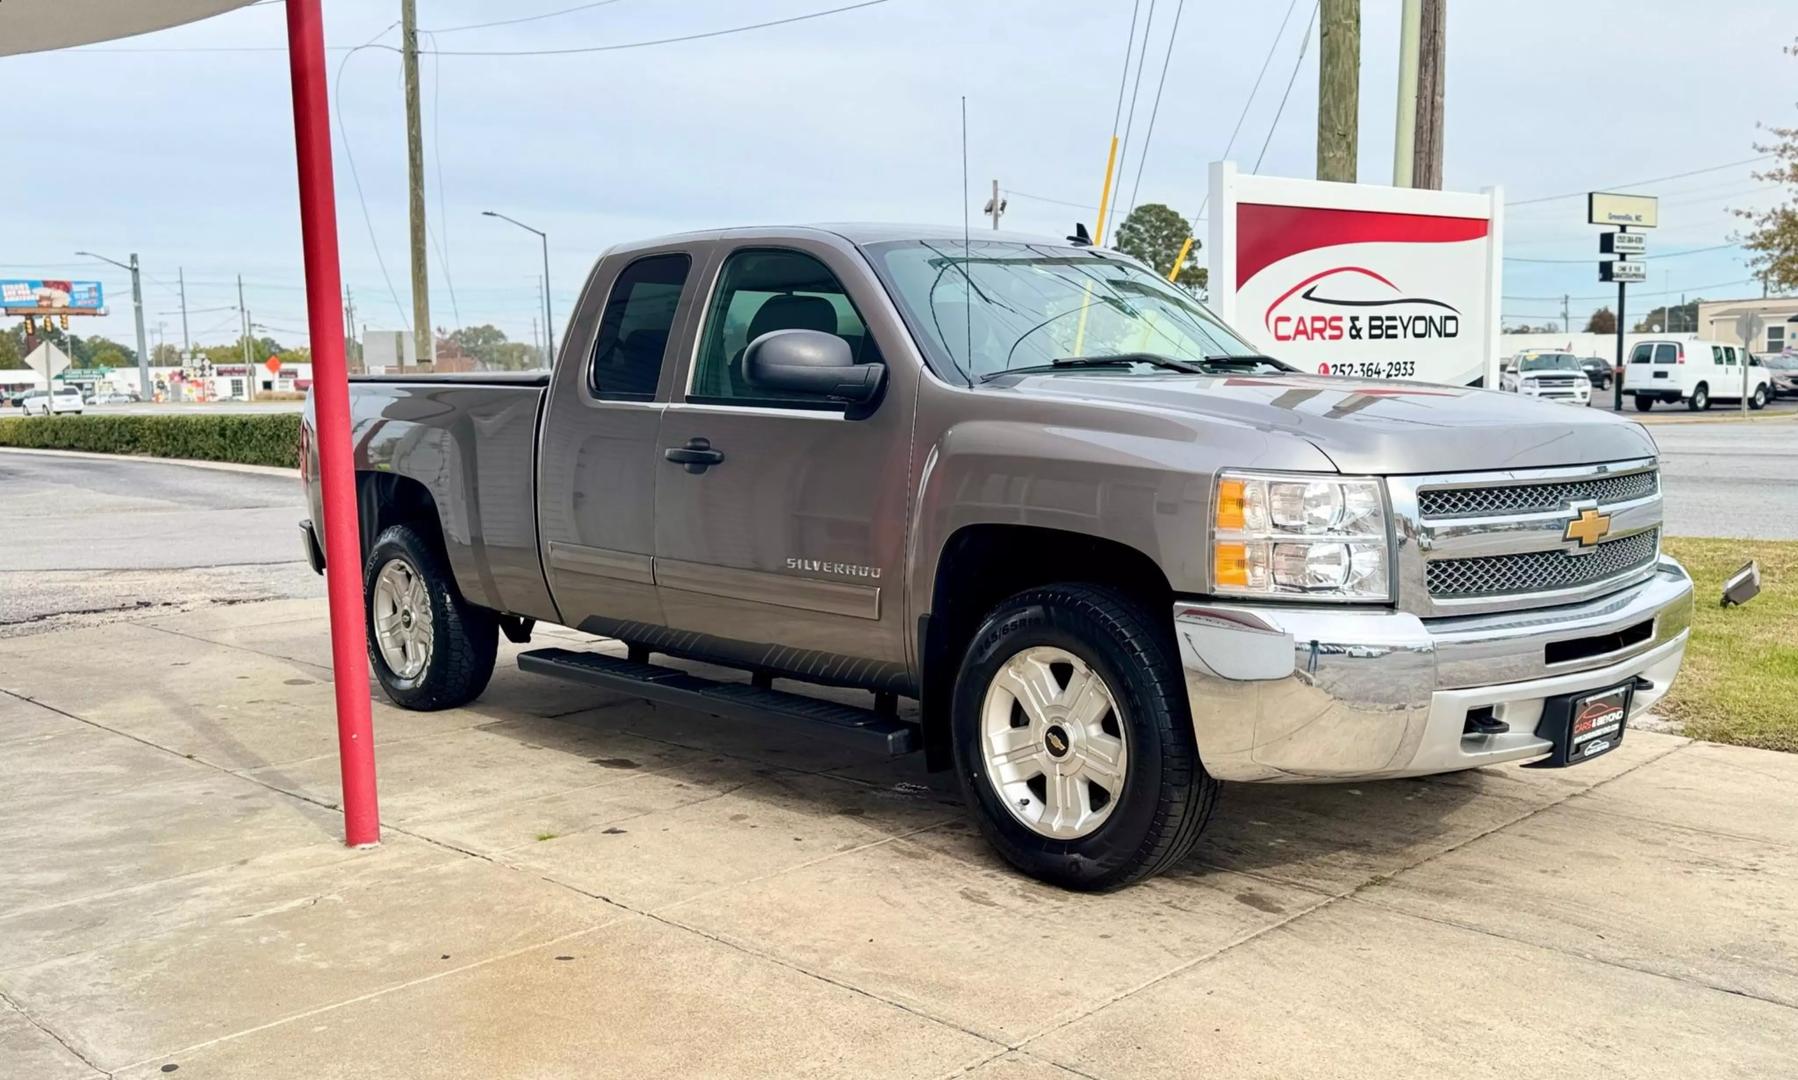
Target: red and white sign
1356,279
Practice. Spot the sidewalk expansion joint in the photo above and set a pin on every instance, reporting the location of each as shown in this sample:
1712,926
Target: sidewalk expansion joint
9,1002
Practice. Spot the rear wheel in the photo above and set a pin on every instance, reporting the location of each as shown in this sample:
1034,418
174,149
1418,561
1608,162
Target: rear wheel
430,648
1759,400
1700,399
1644,403
1073,741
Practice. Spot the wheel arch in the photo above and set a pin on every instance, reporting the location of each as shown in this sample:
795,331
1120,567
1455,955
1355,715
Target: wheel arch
980,565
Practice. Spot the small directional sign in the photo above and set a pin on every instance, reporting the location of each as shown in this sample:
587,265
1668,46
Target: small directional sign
1623,270
1622,243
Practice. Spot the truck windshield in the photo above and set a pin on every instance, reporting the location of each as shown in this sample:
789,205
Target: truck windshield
992,306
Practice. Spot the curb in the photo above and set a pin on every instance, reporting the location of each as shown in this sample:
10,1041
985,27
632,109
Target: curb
219,466
1733,417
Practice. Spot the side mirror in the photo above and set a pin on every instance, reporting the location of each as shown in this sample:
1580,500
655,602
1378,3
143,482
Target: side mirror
811,362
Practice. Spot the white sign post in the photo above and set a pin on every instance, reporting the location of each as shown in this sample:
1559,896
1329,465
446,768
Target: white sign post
1356,279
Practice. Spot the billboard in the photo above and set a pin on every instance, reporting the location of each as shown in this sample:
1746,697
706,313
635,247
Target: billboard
32,296
1356,279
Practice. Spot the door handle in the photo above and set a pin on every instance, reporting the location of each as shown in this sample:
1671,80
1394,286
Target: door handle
697,455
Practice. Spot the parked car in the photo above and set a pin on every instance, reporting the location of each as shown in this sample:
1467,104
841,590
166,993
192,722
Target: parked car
67,399
1782,372
1695,372
1555,376
1597,371
1117,556
115,397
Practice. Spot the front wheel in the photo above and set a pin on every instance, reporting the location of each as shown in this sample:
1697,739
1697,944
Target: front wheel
430,648
1759,400
1073,740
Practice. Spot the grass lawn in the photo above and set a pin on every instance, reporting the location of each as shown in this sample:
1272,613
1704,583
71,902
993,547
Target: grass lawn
1740,679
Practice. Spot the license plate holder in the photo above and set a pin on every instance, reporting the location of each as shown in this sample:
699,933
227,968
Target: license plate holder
1584,726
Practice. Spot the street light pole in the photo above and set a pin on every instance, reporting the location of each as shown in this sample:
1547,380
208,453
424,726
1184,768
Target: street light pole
137,303
548,323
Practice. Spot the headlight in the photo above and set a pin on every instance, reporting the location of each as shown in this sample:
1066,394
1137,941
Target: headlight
1290,536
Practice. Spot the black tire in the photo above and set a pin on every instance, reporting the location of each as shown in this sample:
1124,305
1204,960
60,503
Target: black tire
1644,403
1700,399
1167,796
465,637
1759,400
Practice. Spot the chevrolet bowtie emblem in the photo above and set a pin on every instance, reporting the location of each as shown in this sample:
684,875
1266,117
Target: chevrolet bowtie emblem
1588,528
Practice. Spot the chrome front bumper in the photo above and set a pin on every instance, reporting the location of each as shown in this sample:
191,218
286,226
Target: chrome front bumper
1310,694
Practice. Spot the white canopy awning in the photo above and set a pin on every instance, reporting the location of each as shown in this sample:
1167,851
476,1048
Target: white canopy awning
35,25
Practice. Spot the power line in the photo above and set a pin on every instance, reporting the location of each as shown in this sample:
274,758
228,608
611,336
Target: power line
1658,255
1155,110
1612,296
437,158
523,18
349,156
1641,183
1304,43
658,41
1142,61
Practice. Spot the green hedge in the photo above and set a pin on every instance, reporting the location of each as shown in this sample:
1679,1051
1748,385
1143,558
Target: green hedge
261,439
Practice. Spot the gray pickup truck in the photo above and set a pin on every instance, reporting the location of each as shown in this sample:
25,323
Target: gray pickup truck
1116,556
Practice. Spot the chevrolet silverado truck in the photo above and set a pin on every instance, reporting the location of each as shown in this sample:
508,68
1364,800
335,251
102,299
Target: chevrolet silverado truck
1115,555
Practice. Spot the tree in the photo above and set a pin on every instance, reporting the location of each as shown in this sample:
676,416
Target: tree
1154,233
1603,321
12,352
109,358
1772,239
1679,318
487,346
165,355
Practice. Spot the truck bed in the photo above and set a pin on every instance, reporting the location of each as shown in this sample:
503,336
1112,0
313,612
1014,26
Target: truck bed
461,378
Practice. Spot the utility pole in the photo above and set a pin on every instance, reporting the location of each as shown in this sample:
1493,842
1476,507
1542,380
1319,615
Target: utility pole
424,339
354,352
548,361
536,342
1404,125
1426,168
995,206
187,348
1566,319
1338,89
249,378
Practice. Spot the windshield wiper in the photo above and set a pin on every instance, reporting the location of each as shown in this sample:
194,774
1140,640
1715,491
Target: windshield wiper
1066,363
1247,360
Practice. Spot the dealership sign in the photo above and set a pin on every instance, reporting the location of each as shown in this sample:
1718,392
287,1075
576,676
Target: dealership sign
1354,279
30,296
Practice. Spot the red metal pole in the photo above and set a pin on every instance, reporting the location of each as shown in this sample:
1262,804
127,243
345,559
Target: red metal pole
331,402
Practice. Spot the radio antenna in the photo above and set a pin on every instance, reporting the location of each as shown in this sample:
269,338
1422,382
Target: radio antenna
967,243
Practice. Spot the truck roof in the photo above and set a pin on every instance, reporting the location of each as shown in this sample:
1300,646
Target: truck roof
858,233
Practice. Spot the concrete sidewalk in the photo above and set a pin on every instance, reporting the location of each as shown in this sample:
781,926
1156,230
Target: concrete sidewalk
574,884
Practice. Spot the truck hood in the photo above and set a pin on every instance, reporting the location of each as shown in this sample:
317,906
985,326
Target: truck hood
1369,425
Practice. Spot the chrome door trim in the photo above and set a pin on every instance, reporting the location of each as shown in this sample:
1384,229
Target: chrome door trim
602,562
761,587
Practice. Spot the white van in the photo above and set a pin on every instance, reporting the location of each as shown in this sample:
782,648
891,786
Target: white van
1695,372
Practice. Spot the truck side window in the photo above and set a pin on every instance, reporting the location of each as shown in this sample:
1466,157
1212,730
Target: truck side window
761,290
635,326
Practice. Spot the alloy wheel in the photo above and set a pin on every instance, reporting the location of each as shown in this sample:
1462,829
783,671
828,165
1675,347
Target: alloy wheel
1052,743
402,618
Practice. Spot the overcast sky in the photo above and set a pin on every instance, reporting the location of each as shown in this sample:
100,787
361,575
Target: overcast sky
179,145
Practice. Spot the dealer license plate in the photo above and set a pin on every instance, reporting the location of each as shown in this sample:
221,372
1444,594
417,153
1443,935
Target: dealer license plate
1584,726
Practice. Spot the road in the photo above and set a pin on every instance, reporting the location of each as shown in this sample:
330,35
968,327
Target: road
86,540
1730,479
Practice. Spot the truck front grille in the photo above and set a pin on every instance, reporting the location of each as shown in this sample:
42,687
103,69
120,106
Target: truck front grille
1539,571
1535,498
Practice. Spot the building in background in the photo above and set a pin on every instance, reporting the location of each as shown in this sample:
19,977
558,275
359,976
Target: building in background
1718,320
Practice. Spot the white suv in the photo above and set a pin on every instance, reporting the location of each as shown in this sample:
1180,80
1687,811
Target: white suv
67,399
1556,376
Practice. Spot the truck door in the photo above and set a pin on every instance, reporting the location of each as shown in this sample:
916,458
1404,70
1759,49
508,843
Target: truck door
598,458
783,543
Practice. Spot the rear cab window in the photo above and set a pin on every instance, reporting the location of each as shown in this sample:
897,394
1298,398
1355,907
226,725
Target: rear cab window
635,326
1666,353
1641,354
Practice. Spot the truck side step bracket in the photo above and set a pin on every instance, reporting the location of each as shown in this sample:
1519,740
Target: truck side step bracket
816,718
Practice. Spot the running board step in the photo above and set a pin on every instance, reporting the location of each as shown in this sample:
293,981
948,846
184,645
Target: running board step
842,724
